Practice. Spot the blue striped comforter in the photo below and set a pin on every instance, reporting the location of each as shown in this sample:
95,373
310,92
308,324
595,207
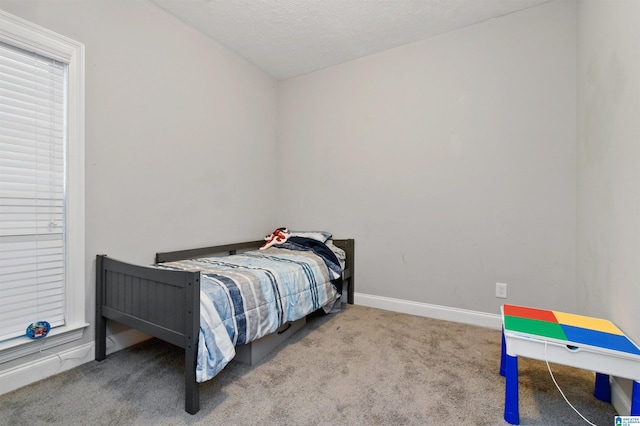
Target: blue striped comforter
246,296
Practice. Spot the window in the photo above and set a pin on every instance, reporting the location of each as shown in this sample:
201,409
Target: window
42,274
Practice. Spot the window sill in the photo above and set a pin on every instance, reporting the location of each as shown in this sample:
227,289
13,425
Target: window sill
23,346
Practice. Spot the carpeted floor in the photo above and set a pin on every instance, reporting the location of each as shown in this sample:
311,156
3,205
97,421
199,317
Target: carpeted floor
362,366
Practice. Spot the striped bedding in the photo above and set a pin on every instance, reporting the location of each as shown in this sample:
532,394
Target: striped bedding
246,296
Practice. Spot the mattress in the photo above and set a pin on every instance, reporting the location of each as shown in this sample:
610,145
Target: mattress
246,296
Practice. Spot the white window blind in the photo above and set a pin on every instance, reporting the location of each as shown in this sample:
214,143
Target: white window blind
33,112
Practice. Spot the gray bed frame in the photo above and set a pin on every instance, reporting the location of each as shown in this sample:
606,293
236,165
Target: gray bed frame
166,303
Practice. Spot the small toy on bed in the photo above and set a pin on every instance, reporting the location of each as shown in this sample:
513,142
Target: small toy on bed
278,236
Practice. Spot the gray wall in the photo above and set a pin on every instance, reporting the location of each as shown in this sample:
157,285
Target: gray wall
609,161
180,133
608,265
451,161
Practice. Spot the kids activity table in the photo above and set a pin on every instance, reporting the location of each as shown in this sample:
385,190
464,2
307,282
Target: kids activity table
574,340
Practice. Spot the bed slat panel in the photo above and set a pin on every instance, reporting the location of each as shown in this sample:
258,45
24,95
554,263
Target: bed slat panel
148,299
123,295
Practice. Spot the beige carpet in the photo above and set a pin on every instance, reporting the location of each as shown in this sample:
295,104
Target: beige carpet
362,366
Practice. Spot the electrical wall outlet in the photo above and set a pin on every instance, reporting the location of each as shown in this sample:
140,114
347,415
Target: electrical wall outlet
501,290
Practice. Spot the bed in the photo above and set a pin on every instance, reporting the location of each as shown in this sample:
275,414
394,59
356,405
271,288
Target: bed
164,300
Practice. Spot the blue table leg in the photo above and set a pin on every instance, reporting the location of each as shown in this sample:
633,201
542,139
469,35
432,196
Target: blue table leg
635,399
602,389
511,408
502,355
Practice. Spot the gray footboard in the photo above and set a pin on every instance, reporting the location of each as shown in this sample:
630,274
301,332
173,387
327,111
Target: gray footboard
166,304
162,303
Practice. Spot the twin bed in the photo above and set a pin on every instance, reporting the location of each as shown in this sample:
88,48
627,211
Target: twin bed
211,300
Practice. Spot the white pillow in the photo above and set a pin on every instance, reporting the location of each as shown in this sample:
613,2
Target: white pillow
315,235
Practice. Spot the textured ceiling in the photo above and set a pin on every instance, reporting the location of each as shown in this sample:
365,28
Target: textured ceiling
287,38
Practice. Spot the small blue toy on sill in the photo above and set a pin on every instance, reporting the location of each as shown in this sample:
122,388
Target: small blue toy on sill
38,330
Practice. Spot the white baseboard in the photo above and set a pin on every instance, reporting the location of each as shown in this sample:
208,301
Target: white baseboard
619,399
50,365
445,313
55,362
124,339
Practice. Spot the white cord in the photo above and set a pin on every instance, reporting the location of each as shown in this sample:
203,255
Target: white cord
560,390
